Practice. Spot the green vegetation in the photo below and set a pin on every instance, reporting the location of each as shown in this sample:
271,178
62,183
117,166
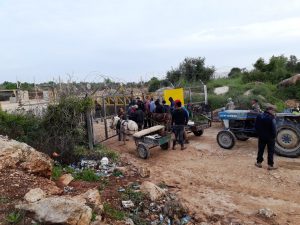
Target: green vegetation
57,171
86,175
59,130
14,217
94,215
189,71
113,213
98,153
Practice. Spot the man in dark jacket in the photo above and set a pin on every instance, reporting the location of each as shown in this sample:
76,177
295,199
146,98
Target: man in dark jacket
158,107
265,126
179,120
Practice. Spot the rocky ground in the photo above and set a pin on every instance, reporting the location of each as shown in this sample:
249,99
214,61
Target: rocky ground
223,186
113,193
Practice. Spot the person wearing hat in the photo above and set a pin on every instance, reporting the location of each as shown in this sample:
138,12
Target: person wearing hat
265,126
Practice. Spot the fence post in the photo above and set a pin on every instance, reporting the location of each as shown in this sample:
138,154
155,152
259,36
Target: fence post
104,115
89,129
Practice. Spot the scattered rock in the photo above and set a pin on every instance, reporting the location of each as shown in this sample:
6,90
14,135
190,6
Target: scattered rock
34,195
248,92
221,90
122,169
129,221
292,103
59,210
174,208
65,179
92,198
127,204
144,172
265,212
152,190
15,154
290,81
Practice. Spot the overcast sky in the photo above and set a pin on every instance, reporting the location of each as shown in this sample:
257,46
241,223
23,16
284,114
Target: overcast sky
133,39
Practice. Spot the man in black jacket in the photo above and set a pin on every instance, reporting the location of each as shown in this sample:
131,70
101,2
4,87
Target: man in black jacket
179,119
265,126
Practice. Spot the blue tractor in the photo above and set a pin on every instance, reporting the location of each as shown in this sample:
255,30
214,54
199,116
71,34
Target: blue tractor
240,125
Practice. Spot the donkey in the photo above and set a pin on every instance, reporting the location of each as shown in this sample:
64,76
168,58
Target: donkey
163,118
123,127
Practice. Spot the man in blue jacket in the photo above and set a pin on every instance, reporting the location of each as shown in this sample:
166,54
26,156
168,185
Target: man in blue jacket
265,126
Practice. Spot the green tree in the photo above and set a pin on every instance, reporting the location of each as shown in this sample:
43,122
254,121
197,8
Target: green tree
191,69
234,71
154,84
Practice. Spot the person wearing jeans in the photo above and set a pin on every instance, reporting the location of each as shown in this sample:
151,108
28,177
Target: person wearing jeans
265,126
179,119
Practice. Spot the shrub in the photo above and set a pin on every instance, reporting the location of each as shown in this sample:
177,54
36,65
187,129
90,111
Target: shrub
60,129
217,101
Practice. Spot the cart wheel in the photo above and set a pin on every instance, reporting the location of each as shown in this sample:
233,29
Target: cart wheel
165,146
143,151
226,139
198,133
241,137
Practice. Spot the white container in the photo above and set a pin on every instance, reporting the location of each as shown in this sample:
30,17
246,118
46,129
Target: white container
104,161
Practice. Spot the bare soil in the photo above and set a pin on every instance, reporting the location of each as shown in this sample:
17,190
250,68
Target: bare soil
223,186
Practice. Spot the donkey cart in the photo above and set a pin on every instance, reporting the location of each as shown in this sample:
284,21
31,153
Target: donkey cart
150,138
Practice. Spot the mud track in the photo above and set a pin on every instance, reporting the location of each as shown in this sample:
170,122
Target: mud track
224,186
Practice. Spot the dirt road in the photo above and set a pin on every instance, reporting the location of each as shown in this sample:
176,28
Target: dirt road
224,186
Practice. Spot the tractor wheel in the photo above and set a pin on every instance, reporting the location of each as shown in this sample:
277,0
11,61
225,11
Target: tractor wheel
165,146
287,141
198,133
143,151
241,137
226,139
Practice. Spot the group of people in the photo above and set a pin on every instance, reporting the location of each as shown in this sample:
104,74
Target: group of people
142,113
254,105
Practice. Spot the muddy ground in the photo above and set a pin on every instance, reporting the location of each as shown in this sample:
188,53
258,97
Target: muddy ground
224,185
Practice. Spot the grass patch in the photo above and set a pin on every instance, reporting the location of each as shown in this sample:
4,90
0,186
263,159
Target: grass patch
14,217
56,172
113,213
86,175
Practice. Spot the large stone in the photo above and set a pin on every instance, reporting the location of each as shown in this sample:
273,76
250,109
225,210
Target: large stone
65,179
221,90
34,195
58,210
14,154
144,172
290,81
92,198
152,190
265,212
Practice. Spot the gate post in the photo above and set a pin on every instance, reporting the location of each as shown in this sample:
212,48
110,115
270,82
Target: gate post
89,129
104,115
